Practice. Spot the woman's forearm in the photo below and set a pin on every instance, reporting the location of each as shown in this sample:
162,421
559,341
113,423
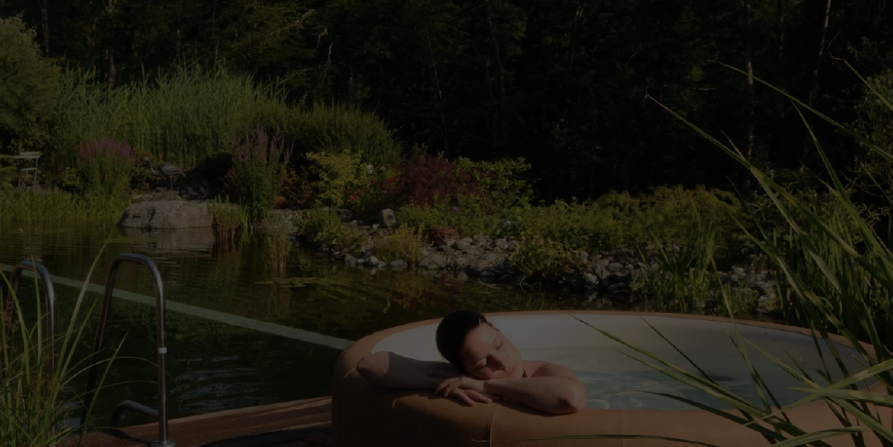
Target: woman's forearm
557,395
388,370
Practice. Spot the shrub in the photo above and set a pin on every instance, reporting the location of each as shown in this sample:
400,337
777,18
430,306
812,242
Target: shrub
431,180
575,225
468,214
501,180
258,171
341,130
403,243
29,88
342,181
105,167
542,258
325,228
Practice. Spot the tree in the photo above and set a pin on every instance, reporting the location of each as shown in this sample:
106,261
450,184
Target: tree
28,87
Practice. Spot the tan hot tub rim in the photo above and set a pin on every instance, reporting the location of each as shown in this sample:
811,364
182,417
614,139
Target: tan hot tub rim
364,415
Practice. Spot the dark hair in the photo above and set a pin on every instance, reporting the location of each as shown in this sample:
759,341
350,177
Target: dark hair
452,331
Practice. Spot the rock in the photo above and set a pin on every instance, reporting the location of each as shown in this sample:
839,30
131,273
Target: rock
373,261
432,261
480,239
156,196
616,287
352,224
464,244
501,244
166,214
350,260
398,264
591,280
387,218
338,255
615,267
493,258
603,262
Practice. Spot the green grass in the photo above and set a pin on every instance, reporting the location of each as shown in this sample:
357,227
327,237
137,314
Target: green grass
30,207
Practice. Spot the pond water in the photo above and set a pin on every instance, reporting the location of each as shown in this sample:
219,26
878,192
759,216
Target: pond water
213,364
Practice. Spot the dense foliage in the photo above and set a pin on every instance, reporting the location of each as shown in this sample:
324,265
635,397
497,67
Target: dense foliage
559,83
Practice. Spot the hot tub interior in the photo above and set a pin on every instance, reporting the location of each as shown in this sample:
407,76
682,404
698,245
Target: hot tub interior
615,380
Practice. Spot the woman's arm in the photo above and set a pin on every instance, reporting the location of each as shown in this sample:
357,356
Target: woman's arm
388,370
551,389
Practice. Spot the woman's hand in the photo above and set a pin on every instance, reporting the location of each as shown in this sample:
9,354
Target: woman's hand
463,388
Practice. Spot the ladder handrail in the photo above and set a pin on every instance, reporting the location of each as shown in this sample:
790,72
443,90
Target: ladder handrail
159,337
50,290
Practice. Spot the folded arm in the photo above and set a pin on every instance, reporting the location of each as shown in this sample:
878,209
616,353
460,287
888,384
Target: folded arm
388,370
553,389
550,389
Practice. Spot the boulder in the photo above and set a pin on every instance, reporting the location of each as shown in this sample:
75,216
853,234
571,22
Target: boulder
166,214
432,261
387,218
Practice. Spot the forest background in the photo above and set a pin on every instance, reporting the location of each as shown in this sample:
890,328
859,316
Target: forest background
561,83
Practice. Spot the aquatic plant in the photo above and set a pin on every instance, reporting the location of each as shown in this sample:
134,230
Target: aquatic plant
276,232
258,170
227,218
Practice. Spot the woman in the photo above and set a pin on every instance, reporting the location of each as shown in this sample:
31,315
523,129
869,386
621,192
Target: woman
486,366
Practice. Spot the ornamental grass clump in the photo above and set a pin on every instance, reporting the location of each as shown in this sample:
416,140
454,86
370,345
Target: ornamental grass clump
259,169
833,280
32,409
105,166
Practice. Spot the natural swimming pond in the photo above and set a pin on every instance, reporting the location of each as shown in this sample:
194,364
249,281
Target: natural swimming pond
213,364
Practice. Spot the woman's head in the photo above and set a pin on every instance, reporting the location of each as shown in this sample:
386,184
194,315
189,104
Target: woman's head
470,343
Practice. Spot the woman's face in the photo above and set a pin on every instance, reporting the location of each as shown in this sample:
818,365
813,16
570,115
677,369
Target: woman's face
487,354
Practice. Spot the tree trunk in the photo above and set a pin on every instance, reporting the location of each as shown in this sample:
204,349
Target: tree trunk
748,56
814,85
779,41
45,27
111,68
443,123
499,116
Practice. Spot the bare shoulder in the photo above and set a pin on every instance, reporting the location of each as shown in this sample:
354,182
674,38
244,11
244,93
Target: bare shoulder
537,368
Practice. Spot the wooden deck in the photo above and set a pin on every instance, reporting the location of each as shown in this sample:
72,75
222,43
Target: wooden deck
303,423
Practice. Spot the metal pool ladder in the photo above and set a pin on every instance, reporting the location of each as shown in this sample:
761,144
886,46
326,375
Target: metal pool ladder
161,413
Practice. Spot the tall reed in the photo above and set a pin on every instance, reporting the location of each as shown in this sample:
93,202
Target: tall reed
181,117
227,218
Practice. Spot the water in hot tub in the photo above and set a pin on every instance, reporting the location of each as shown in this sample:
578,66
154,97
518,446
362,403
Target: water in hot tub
614,380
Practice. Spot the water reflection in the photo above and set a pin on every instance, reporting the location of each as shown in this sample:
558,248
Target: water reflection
214,366
171,242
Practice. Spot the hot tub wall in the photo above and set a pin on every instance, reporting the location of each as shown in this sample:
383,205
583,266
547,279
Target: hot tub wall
364,415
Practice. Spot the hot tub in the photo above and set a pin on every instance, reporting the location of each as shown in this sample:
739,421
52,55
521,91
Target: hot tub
617,399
